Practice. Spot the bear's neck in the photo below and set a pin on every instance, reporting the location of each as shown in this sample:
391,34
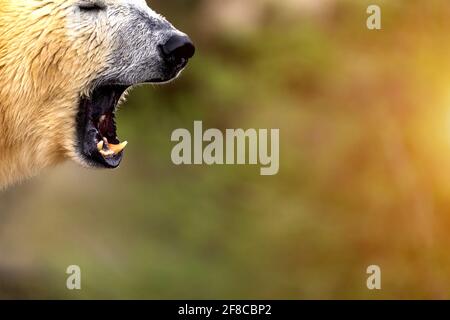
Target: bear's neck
26,147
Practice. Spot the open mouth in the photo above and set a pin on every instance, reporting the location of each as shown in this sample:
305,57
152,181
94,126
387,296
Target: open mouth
98,143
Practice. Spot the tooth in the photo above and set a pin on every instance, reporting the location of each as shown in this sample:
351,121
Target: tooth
107,153
117,148
100,145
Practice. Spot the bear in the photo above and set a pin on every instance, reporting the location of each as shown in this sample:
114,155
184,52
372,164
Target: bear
65,66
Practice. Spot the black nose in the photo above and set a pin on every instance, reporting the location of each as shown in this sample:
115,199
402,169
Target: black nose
178,49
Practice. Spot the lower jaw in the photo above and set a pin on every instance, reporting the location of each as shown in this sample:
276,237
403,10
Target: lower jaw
101,162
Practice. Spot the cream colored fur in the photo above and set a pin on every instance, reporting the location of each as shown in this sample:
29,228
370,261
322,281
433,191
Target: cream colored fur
44,67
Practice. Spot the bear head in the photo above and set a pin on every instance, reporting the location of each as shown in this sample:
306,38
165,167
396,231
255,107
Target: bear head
65,65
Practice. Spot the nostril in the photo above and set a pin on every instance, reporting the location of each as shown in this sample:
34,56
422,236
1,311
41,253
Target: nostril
186,51
178,47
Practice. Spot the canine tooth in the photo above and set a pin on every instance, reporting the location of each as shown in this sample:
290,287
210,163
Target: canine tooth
107,153
100,145
117,148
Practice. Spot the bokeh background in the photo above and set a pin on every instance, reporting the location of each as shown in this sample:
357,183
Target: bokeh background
364,173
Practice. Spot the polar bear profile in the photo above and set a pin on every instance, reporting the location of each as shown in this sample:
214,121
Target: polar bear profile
64,67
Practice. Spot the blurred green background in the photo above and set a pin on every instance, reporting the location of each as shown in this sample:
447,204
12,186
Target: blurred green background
364,119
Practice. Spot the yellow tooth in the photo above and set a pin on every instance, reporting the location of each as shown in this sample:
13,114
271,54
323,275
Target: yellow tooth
100,145
117,148
111,149
107,153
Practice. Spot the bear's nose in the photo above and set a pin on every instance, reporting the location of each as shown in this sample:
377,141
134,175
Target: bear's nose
179,48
